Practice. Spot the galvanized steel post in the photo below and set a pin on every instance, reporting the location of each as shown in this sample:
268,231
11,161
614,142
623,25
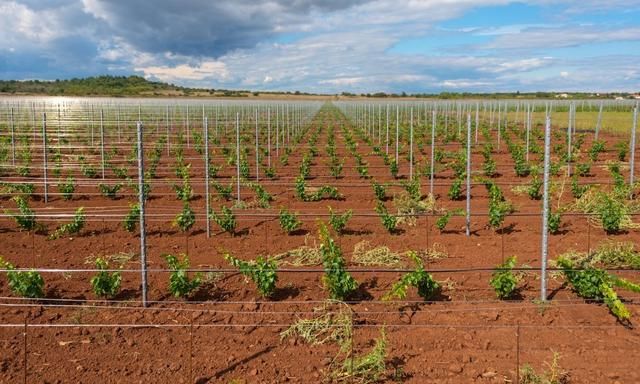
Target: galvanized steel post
545,210
468,221
141,200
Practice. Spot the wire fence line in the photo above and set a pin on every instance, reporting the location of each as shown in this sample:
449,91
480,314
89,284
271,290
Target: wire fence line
286,325
313,270
179,119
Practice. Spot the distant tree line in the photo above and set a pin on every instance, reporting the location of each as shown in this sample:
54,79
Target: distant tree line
139,86
106,86
500,95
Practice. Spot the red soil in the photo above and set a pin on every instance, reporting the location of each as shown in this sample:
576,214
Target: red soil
225,332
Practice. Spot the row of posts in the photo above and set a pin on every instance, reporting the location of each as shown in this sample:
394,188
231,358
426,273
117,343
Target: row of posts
139,129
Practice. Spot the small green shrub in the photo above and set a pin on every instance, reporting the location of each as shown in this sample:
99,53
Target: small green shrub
67,188
339,222
132,218
146,187
596,148
455,191
597,284
263,197
305,166
389,222
616,175
489,167
88,170
180,285
533,190
325,191
270,172
74,226
184,192
443,220
26,218
363,171
339,282
413,188
226,219
224,191
289,221
554,222
262,271
335,167
23,189
498,211
301,188
583,169
105,284
244,167
578,190
379,190
186,218
419,278
503,280
393,168
109,191
622,149
611,212
23,283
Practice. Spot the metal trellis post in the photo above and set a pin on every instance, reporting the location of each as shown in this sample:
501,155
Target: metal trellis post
632,147
468,221
545,210
206,175
143,245
102,140
238,154
411,146
433,148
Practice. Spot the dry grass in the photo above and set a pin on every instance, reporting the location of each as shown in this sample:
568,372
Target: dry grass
305,255
120,258
590,203
408,208
435,252
366,254
609,254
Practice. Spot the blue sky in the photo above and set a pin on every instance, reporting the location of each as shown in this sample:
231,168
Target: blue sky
330,46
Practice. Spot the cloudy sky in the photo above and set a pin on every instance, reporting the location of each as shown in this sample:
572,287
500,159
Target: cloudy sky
330,46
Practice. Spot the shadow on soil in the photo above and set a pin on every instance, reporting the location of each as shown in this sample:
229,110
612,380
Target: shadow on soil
285,293
299,232
356,232
231,367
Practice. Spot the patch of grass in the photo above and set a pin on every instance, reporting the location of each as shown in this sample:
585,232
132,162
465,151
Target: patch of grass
554,374
366,254
408,207
305,255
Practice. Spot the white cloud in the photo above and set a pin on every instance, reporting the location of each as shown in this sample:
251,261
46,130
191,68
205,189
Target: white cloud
464,83
337,46
554,37
522,65
205,71
18,23
342,81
